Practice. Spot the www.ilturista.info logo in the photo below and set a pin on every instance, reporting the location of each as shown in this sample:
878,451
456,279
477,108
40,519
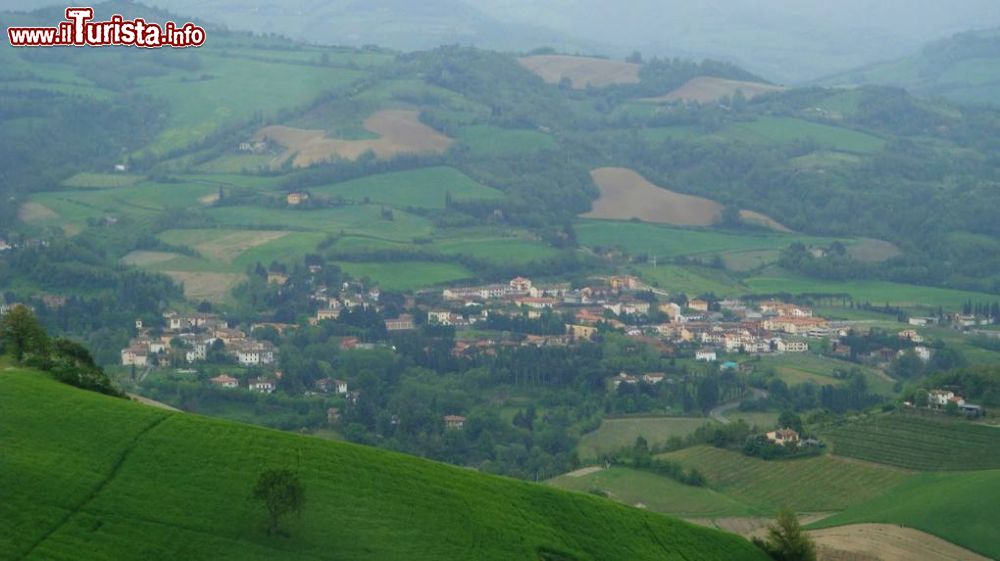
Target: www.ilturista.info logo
78,30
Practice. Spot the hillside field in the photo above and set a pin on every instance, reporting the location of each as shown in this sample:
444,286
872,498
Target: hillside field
615,434
917,442
655,492
581,71
960,507
819,484
709,89
87,477
423,188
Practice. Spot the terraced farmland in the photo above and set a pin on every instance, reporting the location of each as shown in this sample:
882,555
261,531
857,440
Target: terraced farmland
819,484
925,444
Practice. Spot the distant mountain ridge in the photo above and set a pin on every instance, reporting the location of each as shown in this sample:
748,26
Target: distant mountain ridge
964,67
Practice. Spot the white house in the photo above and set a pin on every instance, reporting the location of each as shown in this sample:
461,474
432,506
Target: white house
705,355
261,385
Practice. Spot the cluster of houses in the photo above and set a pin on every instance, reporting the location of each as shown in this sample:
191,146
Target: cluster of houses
619,303
190,337
940,398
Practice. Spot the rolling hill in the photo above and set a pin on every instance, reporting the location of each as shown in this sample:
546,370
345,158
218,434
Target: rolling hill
90,477
964,67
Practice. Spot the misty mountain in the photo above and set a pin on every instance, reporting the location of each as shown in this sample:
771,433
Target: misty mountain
965,67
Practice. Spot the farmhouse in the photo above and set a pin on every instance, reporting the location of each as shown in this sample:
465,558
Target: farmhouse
653,377
403,323
698,304
225,381
580,331
910,335
706,355
783,436
327,313
136,355
455,422
296,198
277,278
261,385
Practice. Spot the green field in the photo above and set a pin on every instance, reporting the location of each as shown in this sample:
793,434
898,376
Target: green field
876,292
917,442
818,484
225,250
484,140
798,368
615,434
406,275
962,508
351,219
87,477
787,129
421,188
655,492
691,280
102,180
665,241
496,249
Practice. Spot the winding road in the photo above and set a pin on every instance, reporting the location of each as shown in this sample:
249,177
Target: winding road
719,413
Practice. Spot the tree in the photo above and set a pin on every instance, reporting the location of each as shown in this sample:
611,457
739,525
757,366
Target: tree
786,541
22,334
282,494
790,420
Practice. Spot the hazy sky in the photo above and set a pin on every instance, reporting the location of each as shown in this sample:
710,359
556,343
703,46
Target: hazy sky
784,40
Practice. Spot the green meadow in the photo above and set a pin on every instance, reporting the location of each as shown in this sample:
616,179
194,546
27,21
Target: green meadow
421,188
960,507
783,130
406,275
485,140
798,368
89,477
615,434
656,493
691,280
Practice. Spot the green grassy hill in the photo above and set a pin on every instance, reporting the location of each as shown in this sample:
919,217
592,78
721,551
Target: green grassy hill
89,477
960,507
963,68
927,444
821,484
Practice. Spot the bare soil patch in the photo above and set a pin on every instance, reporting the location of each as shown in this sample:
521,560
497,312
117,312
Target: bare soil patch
35,212
886,542
213,287
759,219
584,471
582,71
625,195
706,89
400,132
142,258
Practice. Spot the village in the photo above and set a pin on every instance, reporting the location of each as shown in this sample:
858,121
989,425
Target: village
722,333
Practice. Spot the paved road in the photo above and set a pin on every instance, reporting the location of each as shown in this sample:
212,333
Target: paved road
719,413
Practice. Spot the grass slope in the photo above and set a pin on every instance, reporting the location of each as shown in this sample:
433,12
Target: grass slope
655,492
927,444
615,434
963,508
819,484
87,477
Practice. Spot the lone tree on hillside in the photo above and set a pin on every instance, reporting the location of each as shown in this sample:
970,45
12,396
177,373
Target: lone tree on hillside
22,334
282,494
786,541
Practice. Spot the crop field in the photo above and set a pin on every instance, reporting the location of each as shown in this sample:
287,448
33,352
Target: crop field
769,485
690,280
212,287
960,507
709,89
497,249
118,480
406,275
421,188
742,261
626,195
664,241
495,141
654,492
868,250
102,180
760,419
876,292
399,131
917,442
351,219
797,368
582,71
615,434
786,129
234,90
871,542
